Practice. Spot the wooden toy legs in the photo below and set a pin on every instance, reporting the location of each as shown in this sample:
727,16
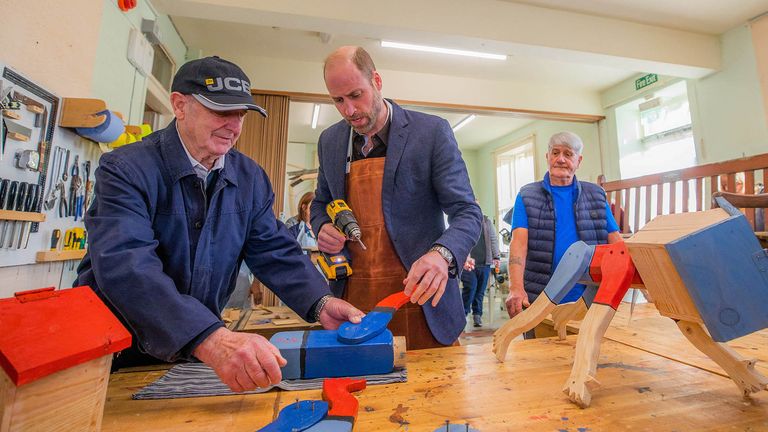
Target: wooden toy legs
521,323
740,370
565,313
582,380
613,268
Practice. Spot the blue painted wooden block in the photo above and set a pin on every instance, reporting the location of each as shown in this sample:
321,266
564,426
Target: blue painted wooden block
725,272
298,416
319,354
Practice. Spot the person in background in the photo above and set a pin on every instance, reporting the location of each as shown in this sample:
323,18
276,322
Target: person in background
295,219
484,256
302,229
549,216
173,218
399,171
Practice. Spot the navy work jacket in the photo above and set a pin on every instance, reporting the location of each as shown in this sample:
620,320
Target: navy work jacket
166,263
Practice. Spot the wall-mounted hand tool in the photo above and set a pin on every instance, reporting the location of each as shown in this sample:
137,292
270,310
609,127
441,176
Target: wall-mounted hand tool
8,201
74,187
21,198
27,159
62,199
30,204
17,131
5,90
64,175
55,239
88,187
50,199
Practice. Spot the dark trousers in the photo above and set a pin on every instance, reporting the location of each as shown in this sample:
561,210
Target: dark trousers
473,288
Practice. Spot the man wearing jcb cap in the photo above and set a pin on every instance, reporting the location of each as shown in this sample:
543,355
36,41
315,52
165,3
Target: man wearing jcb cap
174,217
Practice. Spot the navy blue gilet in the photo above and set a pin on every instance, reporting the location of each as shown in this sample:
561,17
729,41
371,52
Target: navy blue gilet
591,224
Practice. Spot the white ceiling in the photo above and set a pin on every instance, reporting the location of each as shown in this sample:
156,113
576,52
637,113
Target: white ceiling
568,48
701,16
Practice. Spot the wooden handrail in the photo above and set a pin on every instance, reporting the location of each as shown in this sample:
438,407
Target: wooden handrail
689,185
702,171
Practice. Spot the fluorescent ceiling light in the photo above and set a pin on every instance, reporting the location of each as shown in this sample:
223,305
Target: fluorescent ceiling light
390,44
315,115
464,122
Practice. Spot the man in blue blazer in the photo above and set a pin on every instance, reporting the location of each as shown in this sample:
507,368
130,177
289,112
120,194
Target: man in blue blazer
399,171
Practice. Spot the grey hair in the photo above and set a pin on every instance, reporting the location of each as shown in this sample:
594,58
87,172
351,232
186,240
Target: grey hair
568,139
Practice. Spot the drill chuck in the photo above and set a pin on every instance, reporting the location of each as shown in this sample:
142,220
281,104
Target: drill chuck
345,221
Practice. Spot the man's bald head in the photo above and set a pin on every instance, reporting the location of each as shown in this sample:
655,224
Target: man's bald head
351,54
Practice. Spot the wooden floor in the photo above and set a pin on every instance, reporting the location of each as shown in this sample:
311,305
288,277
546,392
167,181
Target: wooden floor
652,380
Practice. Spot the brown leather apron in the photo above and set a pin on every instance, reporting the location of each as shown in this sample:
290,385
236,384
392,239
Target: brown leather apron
378,271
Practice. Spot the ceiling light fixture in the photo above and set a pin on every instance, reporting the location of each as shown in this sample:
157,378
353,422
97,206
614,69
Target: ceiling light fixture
390,44
315,115
463,122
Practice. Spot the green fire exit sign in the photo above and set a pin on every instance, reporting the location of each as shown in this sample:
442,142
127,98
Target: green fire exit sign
645,81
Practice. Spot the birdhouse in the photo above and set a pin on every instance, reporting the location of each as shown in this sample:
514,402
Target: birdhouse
56,352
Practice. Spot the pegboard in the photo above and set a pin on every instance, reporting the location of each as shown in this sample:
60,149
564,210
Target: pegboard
42,127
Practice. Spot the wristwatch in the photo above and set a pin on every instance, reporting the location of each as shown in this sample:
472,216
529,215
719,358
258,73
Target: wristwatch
444,252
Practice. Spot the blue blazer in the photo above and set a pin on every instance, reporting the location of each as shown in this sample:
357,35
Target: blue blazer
424,177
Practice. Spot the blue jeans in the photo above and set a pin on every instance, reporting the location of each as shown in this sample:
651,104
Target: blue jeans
473,288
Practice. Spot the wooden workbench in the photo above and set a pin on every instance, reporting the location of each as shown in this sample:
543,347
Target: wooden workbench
649,331
640,391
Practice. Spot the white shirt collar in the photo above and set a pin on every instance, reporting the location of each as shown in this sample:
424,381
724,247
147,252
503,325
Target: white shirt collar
200,170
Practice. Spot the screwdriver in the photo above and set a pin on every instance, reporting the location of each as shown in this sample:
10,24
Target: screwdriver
33,195
4,185
9,204
21,198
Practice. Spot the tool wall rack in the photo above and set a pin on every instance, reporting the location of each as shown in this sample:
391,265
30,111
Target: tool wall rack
36,112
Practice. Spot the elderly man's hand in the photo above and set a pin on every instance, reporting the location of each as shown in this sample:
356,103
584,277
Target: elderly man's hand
516,300
243,361
330,240
427,279
469,264
336,311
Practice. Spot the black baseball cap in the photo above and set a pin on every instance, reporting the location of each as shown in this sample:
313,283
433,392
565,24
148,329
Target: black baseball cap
217,84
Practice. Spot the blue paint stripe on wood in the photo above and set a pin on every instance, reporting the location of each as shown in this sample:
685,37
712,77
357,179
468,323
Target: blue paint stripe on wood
725,272
289,343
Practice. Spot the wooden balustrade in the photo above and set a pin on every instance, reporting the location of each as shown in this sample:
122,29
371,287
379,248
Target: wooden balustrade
637,200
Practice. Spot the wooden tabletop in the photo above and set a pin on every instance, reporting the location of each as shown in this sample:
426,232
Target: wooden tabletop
640,391
647,330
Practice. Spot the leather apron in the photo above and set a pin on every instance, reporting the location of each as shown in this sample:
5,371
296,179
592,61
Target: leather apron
378,272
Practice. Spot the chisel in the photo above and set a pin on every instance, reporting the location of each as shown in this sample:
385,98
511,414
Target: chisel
30,205
8,203
21,198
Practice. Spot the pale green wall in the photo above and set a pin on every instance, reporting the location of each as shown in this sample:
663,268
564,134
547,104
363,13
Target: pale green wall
482,166
115,80
729,116
726,107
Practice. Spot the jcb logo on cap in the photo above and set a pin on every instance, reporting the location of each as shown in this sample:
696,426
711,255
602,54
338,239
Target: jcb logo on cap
229,83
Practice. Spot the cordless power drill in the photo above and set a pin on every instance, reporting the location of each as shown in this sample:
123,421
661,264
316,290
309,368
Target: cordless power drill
336,267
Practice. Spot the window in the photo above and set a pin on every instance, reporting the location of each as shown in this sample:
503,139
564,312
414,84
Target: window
163,67
514,169
654,133
654,136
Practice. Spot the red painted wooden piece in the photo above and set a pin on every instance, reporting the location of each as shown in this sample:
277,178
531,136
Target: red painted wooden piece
45,331
612,267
